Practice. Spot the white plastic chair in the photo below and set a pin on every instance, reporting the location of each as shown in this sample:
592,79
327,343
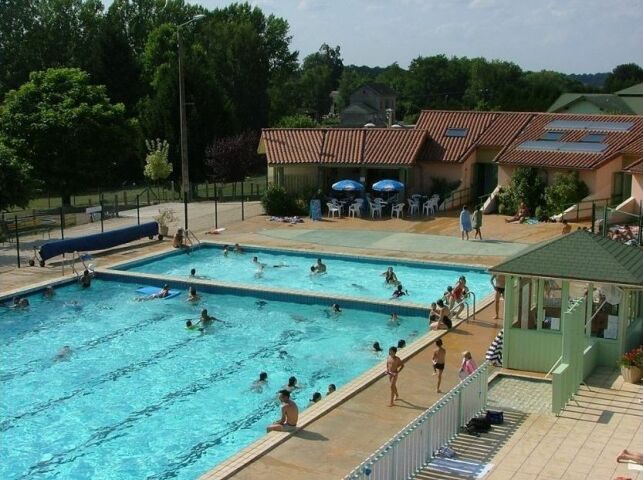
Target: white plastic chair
355,209
427,207
333,209
376,209
414,206
397,210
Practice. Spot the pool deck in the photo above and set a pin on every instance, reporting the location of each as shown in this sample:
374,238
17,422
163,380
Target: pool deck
582,443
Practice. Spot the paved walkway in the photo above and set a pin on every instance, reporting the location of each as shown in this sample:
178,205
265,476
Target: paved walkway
398,241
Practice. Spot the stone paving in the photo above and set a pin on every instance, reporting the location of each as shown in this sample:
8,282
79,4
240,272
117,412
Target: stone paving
520,394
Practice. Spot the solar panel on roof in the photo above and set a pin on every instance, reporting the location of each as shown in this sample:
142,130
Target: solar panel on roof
456,132
593,138
549,146
590,125
552,136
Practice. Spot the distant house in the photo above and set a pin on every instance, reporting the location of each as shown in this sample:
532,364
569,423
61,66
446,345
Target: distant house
628,101
369,104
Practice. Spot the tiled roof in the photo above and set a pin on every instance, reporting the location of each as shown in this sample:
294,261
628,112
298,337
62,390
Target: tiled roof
439,147
566,257
504,128
348,146
635,147
614,141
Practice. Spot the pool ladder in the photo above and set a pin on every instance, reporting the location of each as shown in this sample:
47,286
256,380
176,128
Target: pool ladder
465,302
192,239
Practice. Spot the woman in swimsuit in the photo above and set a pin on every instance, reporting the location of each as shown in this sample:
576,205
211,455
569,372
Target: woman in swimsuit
444,322
389,277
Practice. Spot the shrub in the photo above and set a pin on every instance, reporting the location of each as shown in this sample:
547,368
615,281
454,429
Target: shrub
566,190
527,184
278,202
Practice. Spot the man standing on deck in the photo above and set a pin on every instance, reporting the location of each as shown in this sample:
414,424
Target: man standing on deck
439,358
394,366
289,415
498,284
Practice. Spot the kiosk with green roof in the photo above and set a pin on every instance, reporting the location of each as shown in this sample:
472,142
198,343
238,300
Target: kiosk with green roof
571,304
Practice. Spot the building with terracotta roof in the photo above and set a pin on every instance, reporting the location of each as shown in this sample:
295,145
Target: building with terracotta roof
477,150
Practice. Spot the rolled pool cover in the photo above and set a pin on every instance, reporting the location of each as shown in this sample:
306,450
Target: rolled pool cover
98,241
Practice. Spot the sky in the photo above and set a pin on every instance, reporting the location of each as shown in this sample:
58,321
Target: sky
570,36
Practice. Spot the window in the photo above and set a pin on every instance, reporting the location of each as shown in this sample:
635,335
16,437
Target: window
552,136
593,138
525,304
456,132
552,290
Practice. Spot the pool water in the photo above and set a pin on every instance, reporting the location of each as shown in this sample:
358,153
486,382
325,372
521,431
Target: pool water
143,397
360,278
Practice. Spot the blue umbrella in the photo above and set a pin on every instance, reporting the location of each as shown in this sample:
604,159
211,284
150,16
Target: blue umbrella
347,186
388,185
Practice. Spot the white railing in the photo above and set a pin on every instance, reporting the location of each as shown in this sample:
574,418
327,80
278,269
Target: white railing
413,448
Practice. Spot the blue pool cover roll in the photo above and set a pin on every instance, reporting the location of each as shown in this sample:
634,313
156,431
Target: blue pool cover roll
98,241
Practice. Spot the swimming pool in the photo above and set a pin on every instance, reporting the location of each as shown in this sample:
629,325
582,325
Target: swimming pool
142,397
358,277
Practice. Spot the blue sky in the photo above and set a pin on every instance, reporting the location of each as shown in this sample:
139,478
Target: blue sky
571,36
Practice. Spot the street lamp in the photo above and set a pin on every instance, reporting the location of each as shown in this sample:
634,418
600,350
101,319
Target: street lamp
185,171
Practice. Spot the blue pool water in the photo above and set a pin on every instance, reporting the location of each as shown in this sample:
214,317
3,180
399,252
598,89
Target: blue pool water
345,276
142,397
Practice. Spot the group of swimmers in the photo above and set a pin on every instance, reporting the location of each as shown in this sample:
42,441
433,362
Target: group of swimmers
451,303
390,278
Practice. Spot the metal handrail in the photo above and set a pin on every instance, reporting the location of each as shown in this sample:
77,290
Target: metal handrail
187,236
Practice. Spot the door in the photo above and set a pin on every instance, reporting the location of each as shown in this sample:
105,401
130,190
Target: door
485,180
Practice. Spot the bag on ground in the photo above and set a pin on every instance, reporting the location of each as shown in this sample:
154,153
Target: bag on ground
495,417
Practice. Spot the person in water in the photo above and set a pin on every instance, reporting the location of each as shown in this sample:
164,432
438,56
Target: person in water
389,277
258,385
49,292
444,322
376,347
292,384
289,415
401,343
225,250
206,320
237,248
399,292
20,303
394,320
315,398
85,279
320,267
331,388
63,354
193,296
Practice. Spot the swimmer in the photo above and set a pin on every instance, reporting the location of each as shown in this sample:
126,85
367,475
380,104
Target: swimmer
49,292
401,343
315,398
313,271
207,320
399,292
394,320
193,272
319,266
376,347
20,303
85,280
225,250
283,354
281,265
257,385
237,248
192,326
358,286
162,293
63,354
193,296
331,388
292,384
260,304
389,277
258,264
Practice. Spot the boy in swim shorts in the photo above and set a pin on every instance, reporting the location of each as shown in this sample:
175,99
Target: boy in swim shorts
289,415
439,357
394,366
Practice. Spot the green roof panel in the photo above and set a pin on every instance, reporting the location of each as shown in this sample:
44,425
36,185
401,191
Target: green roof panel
580,255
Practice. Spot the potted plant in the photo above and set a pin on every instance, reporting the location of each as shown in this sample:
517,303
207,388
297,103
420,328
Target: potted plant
164,218
631,365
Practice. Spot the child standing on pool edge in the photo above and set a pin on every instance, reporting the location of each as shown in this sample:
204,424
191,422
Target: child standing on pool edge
394,366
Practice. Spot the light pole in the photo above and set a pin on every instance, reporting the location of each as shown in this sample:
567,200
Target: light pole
185,171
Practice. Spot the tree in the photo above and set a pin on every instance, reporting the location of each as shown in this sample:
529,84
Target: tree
67,129
297,121
527,184
436,82
156,165
16,182
566,190
320,75
233,158
350,81
623,76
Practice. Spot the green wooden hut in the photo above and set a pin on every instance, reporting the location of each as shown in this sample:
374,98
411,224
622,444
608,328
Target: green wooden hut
571,304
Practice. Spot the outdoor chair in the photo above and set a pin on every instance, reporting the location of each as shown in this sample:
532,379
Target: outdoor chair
333,209
397,210
430,206
355,209
376,209
414,206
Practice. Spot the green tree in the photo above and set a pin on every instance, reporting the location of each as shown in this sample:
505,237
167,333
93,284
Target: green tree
623,76
297,121
543,88
436,82
350,81
320,75
157,167
527,184
566,190
17,184
494,85
68,130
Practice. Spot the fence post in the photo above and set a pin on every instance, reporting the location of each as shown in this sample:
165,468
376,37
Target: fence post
207,192
593,215
577,211
125,198
102,227
605,227
48,200
62,223
640,225
242,206
148,196
15,221
138,210
116,204
216,212
185,209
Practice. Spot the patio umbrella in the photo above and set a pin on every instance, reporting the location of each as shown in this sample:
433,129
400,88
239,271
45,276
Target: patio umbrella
388,185
347,186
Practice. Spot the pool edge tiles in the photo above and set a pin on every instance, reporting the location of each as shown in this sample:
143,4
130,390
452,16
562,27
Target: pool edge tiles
268,442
